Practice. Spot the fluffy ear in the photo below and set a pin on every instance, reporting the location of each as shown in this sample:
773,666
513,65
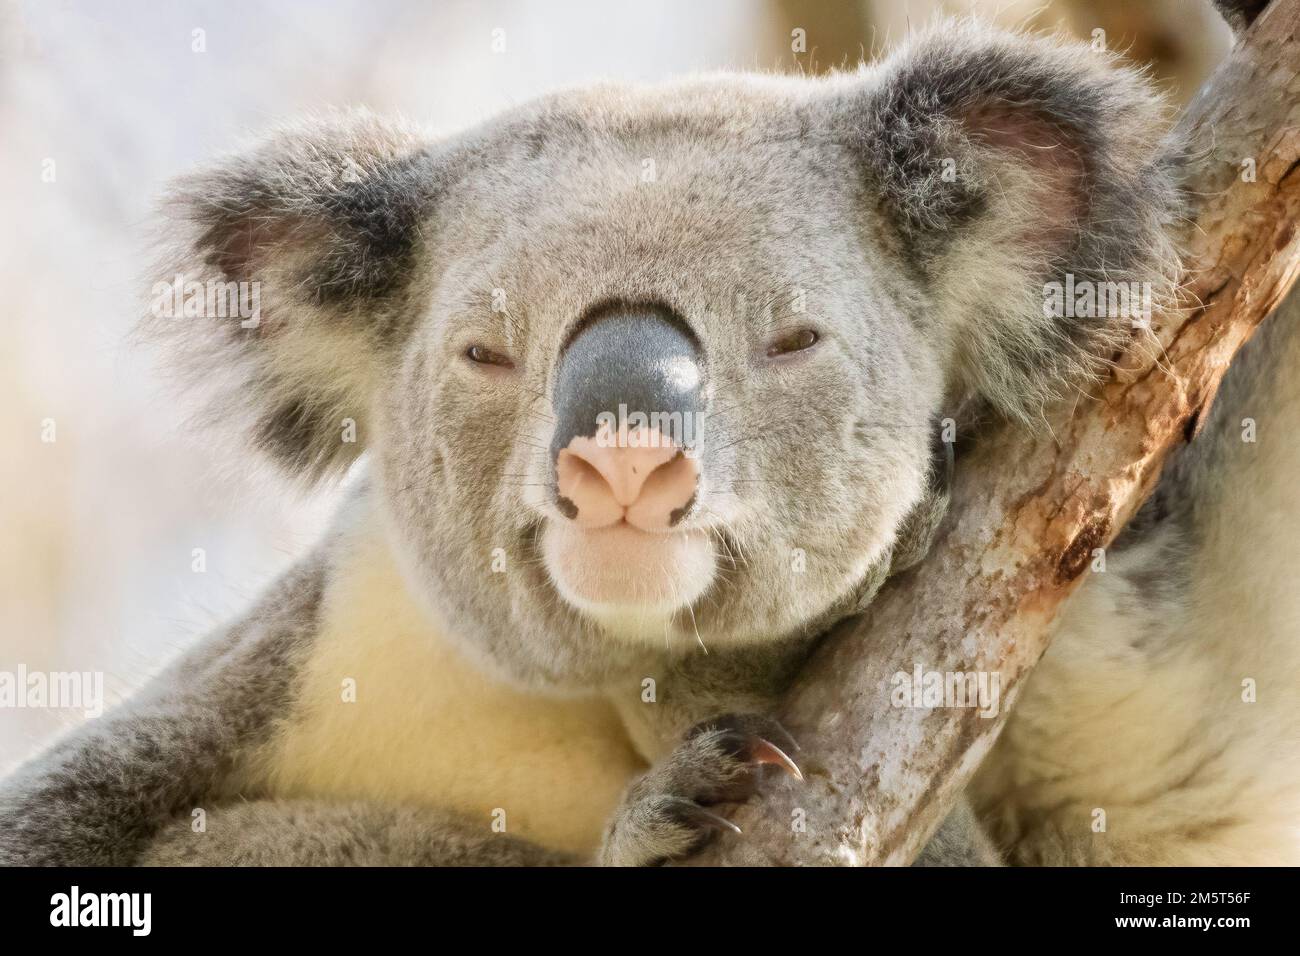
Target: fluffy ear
1005,164
287,280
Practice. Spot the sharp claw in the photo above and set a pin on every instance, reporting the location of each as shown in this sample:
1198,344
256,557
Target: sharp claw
764,751
694,813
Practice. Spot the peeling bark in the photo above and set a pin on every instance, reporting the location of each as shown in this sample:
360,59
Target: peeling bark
1020,537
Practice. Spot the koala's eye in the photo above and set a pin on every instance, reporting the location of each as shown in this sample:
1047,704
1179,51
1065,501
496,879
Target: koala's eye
485,356
798,341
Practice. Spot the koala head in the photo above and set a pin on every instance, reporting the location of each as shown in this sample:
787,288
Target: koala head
643,367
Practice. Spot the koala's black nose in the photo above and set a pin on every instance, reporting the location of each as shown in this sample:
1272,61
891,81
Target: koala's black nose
628,398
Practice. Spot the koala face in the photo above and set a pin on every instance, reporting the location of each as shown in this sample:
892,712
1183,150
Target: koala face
744,272
645,368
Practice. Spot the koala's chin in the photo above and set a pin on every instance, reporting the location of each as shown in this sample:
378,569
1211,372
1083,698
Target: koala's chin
630,581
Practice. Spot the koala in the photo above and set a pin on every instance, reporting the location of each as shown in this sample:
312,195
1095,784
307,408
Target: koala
637,392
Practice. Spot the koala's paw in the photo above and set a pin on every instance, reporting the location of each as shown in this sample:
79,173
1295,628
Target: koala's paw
664,814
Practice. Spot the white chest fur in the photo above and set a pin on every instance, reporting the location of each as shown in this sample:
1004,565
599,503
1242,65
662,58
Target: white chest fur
390,710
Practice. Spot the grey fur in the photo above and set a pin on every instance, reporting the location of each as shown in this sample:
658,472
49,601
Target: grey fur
99,796
381,255
317,833
960,841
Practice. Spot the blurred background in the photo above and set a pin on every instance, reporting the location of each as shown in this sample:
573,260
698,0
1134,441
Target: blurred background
100,104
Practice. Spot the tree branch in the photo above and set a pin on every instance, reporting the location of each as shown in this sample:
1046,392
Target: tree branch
1028,510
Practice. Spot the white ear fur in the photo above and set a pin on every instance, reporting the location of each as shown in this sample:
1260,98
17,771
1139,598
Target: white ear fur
319,226
1011,163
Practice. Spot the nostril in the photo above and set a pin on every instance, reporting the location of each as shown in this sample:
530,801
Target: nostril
644,479
584,494
667,495
677,514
